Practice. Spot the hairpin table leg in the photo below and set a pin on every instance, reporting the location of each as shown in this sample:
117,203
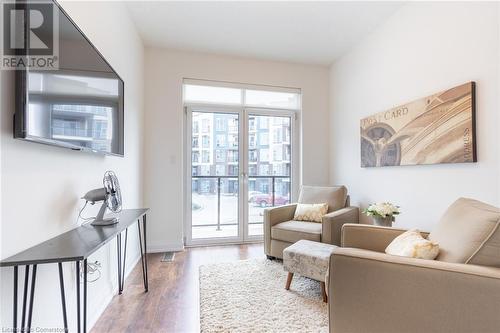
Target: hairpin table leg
14,314
142,254
119,261
63,296
124,261
25,295
78,311
85,296
32,295
145,252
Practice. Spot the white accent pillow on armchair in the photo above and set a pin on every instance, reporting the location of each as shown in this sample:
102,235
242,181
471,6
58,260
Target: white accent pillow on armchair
310,212
411,244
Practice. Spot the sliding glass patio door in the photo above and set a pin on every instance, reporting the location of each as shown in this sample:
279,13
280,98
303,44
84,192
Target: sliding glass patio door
240,164
268,167
215,175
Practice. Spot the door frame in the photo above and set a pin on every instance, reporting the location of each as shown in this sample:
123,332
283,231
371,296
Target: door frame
243,113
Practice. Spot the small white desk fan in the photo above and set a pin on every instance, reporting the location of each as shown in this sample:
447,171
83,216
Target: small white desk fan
111,197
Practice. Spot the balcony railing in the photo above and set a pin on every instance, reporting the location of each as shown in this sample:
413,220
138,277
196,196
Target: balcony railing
79,132
270,199
70,131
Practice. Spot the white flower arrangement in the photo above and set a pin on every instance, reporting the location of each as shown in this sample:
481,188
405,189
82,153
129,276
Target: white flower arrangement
382,209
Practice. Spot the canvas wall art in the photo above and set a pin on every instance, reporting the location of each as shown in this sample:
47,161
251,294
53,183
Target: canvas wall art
436,129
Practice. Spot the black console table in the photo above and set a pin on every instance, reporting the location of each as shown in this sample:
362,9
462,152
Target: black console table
75,246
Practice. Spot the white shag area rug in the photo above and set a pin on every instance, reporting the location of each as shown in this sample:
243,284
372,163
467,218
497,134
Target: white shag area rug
250,296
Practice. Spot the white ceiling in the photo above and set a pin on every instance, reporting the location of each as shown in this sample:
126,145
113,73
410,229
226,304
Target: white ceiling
304,32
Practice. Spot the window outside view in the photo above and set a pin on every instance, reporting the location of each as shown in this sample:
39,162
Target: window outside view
215,173
269,167
220,115
89,125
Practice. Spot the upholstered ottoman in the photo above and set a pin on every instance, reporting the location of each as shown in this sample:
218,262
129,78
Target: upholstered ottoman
309,259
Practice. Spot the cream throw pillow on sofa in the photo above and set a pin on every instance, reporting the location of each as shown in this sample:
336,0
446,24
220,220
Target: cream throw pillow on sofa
310,212
412,244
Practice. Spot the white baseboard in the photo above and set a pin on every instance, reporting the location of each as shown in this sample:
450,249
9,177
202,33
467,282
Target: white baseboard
173,247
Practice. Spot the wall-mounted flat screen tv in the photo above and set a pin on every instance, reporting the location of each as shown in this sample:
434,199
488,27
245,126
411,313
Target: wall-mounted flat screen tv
79,105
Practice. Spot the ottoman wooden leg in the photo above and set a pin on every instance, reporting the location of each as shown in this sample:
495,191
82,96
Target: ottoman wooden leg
323,292
288,281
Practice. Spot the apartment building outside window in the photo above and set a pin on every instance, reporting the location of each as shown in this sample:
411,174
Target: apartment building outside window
246,160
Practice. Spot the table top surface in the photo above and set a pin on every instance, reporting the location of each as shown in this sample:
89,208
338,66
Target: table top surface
76,244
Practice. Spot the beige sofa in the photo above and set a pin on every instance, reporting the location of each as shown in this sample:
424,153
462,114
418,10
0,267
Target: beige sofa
280,230
370,291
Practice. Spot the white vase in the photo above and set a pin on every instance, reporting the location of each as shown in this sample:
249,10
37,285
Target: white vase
383,221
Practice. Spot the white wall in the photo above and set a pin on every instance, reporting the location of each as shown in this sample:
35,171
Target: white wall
165,70
422,49
41,185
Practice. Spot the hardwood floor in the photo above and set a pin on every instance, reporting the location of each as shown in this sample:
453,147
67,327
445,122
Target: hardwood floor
172,303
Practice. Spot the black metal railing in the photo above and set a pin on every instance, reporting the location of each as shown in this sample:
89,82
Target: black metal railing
219,187
273,186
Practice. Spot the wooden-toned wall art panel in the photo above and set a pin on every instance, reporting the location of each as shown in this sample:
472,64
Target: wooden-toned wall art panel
436,129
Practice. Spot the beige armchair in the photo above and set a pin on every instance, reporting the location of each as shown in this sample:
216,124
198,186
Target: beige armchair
280,230
370,291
